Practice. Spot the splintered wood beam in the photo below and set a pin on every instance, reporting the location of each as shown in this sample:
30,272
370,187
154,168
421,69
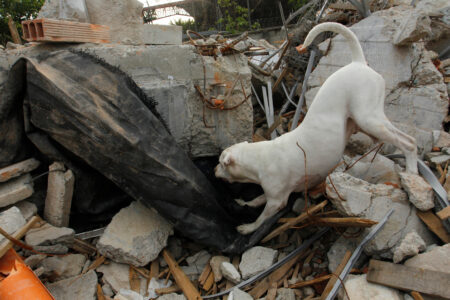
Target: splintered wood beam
444,214
434,224
409,278
181,279
336,273
14,33
294,221
345,222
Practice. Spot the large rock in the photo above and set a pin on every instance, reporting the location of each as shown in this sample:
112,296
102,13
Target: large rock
255,260
437,259
358,288
379,199
135,235
11,220
419,191
411,245
416,97
48,235
15,190
79,287
168,75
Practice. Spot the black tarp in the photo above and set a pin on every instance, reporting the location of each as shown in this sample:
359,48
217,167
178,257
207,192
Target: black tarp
76,104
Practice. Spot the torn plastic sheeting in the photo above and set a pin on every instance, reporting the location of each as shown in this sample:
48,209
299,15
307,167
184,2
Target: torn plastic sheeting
98,114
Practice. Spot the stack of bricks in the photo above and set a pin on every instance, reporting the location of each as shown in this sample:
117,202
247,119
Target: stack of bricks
51,30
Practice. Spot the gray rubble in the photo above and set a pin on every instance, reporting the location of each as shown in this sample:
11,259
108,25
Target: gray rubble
16,190
65,266
172,296
48,235
135,235
359,288
11,220
27,208
420,193
116,275
230,272
436,259
18,169
79,287
255,260
411,245
237,294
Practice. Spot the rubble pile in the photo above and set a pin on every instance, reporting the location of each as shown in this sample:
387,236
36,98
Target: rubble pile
387,233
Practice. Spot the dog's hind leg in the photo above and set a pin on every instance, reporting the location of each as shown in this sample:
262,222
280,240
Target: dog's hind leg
273,205
257,202
378,126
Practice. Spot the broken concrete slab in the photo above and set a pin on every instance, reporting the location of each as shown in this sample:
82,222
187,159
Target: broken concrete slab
155,34
16,190
11,220
215,263
116,275
359,288
79,287
419,191
48,235
380,170
196,264
337,252
237,294
255,260
230,272
27,209
18,169
136,235
441,139
59,195
436,259
65,266
411,245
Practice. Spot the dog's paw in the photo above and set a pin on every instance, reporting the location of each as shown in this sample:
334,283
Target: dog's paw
240,202
245,229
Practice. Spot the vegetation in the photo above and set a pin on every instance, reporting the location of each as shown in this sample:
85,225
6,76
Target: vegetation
235,16
187,24
19,10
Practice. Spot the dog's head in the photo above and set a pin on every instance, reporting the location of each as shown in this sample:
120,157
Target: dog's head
229,168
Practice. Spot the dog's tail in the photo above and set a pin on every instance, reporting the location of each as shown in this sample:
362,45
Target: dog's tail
355,46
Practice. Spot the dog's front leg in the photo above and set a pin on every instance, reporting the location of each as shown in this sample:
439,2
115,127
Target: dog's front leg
257,202
273,206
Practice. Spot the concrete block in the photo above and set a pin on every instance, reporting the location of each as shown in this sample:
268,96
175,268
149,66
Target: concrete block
15,190
18,169
11,220
48,235
59,195
79,287
154,34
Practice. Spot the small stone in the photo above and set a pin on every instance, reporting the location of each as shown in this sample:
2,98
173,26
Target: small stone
196,264
11,220
172,296
359,288
65,266
136,235
34,260
437,259
28,209
299,205
79,287
48,235
230,272
255,260
18,169
107,290
237,294
285,294
215,263
15,190
419,191
411,245
116,275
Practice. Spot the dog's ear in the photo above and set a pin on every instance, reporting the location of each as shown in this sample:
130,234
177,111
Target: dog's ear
228,159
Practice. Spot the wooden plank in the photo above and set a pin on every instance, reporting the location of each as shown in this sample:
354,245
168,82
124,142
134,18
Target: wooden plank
205,274
14,33
409,278
294,221
97,262
135,281
337,273
100,295
434,224
18,235
444,214
209,282
181,279
345,222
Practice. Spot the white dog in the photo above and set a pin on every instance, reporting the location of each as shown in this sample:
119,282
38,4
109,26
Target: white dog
351,99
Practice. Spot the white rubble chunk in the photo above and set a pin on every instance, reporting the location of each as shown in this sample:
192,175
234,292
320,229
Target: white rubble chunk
64,266
172,296
442,139
128,295
136,235
27,208
18,169
116,275
285,294
11,220
59,195
16,190
215,263
48,235
436,259
358,288
196,264
419,191
79,287
230,272
255,260
411,245
237,294
156,284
